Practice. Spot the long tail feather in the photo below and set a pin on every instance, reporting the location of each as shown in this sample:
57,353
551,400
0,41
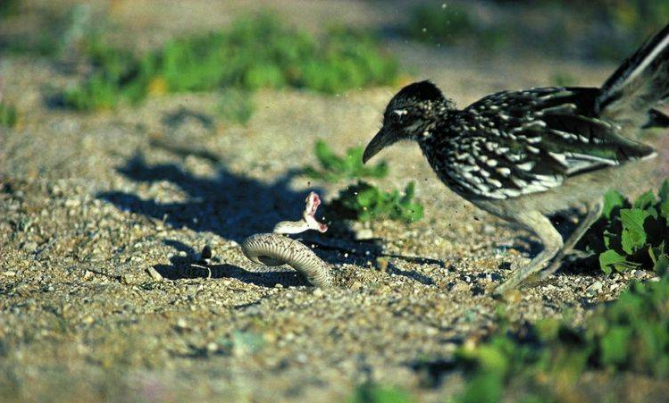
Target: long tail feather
639,83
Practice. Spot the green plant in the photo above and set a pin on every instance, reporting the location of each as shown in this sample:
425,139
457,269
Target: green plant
334,168
632,235
254,53
370,393
632,335
8,115
365,202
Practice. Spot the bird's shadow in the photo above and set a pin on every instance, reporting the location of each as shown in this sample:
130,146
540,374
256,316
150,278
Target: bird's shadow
230,205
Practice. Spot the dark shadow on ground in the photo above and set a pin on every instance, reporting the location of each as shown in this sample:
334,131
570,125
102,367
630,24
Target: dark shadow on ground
188,266
228,205
410,274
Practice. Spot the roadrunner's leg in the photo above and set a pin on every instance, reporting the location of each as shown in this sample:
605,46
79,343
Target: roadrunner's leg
593,214
551,240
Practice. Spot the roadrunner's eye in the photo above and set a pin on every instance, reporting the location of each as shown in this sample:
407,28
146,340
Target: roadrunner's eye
397,114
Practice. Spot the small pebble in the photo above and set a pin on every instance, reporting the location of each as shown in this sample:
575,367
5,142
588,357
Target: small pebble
594,288
364,234
154,274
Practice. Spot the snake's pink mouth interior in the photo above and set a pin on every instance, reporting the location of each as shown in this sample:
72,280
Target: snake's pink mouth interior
313,201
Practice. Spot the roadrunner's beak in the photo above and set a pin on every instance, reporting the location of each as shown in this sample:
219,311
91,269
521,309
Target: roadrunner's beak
383,139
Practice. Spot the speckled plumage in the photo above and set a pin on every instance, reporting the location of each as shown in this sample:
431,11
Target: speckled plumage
524,154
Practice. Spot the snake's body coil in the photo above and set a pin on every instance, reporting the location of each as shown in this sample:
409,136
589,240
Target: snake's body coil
276,250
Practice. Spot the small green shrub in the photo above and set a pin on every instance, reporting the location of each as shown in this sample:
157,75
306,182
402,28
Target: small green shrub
632,235
365,202
8,115
334,168
254,53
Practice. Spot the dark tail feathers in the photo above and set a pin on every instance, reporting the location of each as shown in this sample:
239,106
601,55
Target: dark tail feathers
639,84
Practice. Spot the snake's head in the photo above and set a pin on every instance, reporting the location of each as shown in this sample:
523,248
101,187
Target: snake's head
309,215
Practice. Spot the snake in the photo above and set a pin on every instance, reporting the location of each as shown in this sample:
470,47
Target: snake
277,249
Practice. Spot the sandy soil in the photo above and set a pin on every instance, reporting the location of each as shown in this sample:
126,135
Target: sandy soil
89,203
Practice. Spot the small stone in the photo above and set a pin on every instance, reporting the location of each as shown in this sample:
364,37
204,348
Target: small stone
594,288
382,263
126,279
154,274
364,234
513,297
318,292
356,285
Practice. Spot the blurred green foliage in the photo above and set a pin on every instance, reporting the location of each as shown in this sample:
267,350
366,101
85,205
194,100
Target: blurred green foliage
632,235
9,7
544,362
630,23
8,115
604,29
334,168
365,202
254,53
370,393
631,334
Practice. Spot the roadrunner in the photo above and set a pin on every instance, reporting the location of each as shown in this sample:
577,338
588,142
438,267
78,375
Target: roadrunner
524,155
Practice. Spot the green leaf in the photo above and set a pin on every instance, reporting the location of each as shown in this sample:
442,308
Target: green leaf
645,201
633,235
664,191
612,199
660,259
364,202
409,192
609,260
368,197
325,155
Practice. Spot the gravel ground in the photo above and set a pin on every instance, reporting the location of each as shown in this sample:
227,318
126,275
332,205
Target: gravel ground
92,205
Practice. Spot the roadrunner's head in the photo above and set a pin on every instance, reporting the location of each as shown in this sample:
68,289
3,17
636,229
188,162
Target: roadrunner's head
410,115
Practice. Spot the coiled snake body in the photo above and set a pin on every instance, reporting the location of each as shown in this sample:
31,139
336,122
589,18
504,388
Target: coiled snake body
276,249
